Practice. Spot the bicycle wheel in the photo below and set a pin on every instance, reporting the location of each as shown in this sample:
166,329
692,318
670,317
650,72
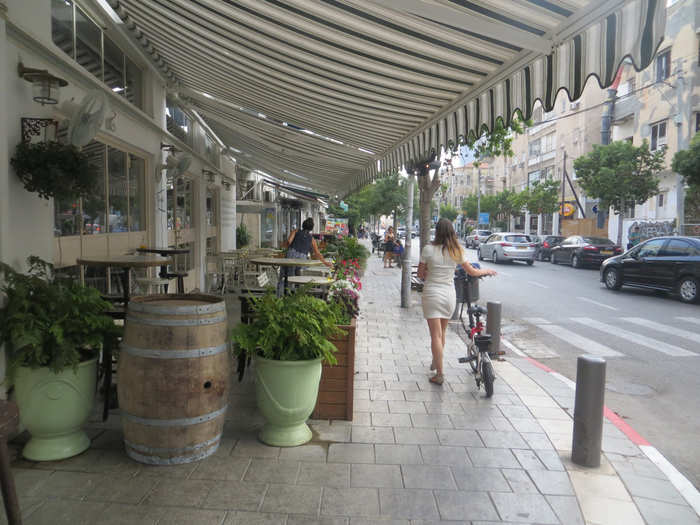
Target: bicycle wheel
473,354
488,376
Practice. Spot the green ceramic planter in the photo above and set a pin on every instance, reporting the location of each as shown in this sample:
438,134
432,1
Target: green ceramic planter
54,407
286,393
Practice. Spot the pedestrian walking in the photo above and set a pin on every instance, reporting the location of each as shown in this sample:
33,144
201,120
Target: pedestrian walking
436,268
389,239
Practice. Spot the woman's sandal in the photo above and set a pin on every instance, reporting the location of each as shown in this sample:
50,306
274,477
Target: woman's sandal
438,379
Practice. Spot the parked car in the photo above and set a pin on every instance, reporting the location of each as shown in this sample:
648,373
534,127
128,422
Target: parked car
545,245
501,247
671,264
476,237
579,251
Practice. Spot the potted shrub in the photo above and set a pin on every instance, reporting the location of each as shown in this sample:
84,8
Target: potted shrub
288,338
57,170
52,330
335,396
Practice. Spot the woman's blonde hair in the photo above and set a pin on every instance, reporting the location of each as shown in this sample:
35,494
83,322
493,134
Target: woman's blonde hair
446,237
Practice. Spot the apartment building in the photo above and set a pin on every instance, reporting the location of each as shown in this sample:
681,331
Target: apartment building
662,106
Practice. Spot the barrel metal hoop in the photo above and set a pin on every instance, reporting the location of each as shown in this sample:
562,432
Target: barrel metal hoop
154,353
178,460
148,308
164,450
175,422
176,322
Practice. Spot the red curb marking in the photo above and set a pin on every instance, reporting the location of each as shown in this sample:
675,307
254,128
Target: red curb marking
539,365
625,428
616,420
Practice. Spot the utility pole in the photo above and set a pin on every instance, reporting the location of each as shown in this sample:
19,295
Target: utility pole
680,144
478,194
407,261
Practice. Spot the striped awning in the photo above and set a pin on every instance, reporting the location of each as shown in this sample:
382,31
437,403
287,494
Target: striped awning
335,91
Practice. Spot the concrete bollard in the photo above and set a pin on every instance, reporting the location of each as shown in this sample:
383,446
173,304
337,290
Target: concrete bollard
493,324
588,411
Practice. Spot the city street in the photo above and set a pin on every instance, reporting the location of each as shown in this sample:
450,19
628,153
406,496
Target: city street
651,342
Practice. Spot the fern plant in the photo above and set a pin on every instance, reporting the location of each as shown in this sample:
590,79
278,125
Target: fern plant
48,321
293,327
242,236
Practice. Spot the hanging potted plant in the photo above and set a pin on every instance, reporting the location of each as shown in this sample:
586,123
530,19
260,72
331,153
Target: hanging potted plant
288,339
52,330
56,170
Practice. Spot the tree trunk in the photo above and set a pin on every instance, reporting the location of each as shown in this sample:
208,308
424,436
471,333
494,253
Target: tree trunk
620,222
427,186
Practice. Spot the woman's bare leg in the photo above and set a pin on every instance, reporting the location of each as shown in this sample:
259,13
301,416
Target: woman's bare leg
444,323
435,327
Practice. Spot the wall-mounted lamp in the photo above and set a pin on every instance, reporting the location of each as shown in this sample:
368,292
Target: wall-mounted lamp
46,87
210,175
168,147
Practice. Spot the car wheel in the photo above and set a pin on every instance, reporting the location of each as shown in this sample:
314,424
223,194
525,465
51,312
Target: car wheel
494,257
612,280
688,289
540,257
575,261
530,262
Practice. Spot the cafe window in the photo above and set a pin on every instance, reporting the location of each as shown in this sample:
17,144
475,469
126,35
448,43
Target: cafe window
117,205
77,35
180,204
658,135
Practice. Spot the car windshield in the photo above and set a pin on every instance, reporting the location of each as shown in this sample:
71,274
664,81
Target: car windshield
484,232
517,238
597,240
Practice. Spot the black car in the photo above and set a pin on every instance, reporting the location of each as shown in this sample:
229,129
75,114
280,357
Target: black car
580,251
671,264
544,247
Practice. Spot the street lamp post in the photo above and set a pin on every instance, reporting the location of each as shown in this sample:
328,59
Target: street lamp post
406,262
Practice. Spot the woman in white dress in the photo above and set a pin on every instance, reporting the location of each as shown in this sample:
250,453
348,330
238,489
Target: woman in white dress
437,265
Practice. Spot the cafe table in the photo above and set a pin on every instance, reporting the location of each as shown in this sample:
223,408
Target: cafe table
127,262
284,262
168,252
316,280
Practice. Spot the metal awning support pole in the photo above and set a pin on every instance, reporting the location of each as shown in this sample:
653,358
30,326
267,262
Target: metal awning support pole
406,262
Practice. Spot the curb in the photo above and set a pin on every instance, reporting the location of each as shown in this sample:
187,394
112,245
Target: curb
678,480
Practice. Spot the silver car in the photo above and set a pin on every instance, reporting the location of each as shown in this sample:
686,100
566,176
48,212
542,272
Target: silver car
501,247
477,237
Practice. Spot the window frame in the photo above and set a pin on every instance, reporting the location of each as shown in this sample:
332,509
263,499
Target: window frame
654,144
663,65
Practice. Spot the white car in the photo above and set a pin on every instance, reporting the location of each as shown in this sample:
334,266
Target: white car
501,247
477,237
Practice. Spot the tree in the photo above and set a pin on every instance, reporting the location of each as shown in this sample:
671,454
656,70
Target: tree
544,197
449,212
687,162
469,207
494,143
620,175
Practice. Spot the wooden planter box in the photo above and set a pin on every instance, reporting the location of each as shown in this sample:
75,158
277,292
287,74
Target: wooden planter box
335,394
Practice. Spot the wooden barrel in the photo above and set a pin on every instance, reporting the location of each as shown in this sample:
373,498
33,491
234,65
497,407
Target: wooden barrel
173,377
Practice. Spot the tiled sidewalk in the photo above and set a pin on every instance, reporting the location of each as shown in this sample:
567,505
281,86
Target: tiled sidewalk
415,453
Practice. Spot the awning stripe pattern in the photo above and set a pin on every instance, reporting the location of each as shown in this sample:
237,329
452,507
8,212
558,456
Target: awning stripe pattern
338,91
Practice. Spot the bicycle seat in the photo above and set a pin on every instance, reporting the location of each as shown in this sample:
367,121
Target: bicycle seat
476,310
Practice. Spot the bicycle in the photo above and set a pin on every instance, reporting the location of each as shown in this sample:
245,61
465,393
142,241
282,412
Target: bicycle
478,343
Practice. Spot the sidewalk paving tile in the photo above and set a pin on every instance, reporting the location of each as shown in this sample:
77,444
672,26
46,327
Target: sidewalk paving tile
416,436
408,503
351,453
221,468
552,482
398,454
350,502
180,492
272,471
567,509
291,499
492,457
519,481
502,439
472,479
376,476
255,518
295,519
651,488
444,455
528,508
460,505
310,452
325,475
391,420
662,513
427,477
362,434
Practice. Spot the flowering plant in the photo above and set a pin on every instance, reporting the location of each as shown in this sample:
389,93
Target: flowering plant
345,298
348,270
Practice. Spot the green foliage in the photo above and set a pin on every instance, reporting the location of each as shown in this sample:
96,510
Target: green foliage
687,162
242,236
469,206
448,212
543,197
294,327
349,248
57,170
619,174
499,140
48,321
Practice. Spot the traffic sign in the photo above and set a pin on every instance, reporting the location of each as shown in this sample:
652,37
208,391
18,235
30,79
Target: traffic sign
567,209
484,217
